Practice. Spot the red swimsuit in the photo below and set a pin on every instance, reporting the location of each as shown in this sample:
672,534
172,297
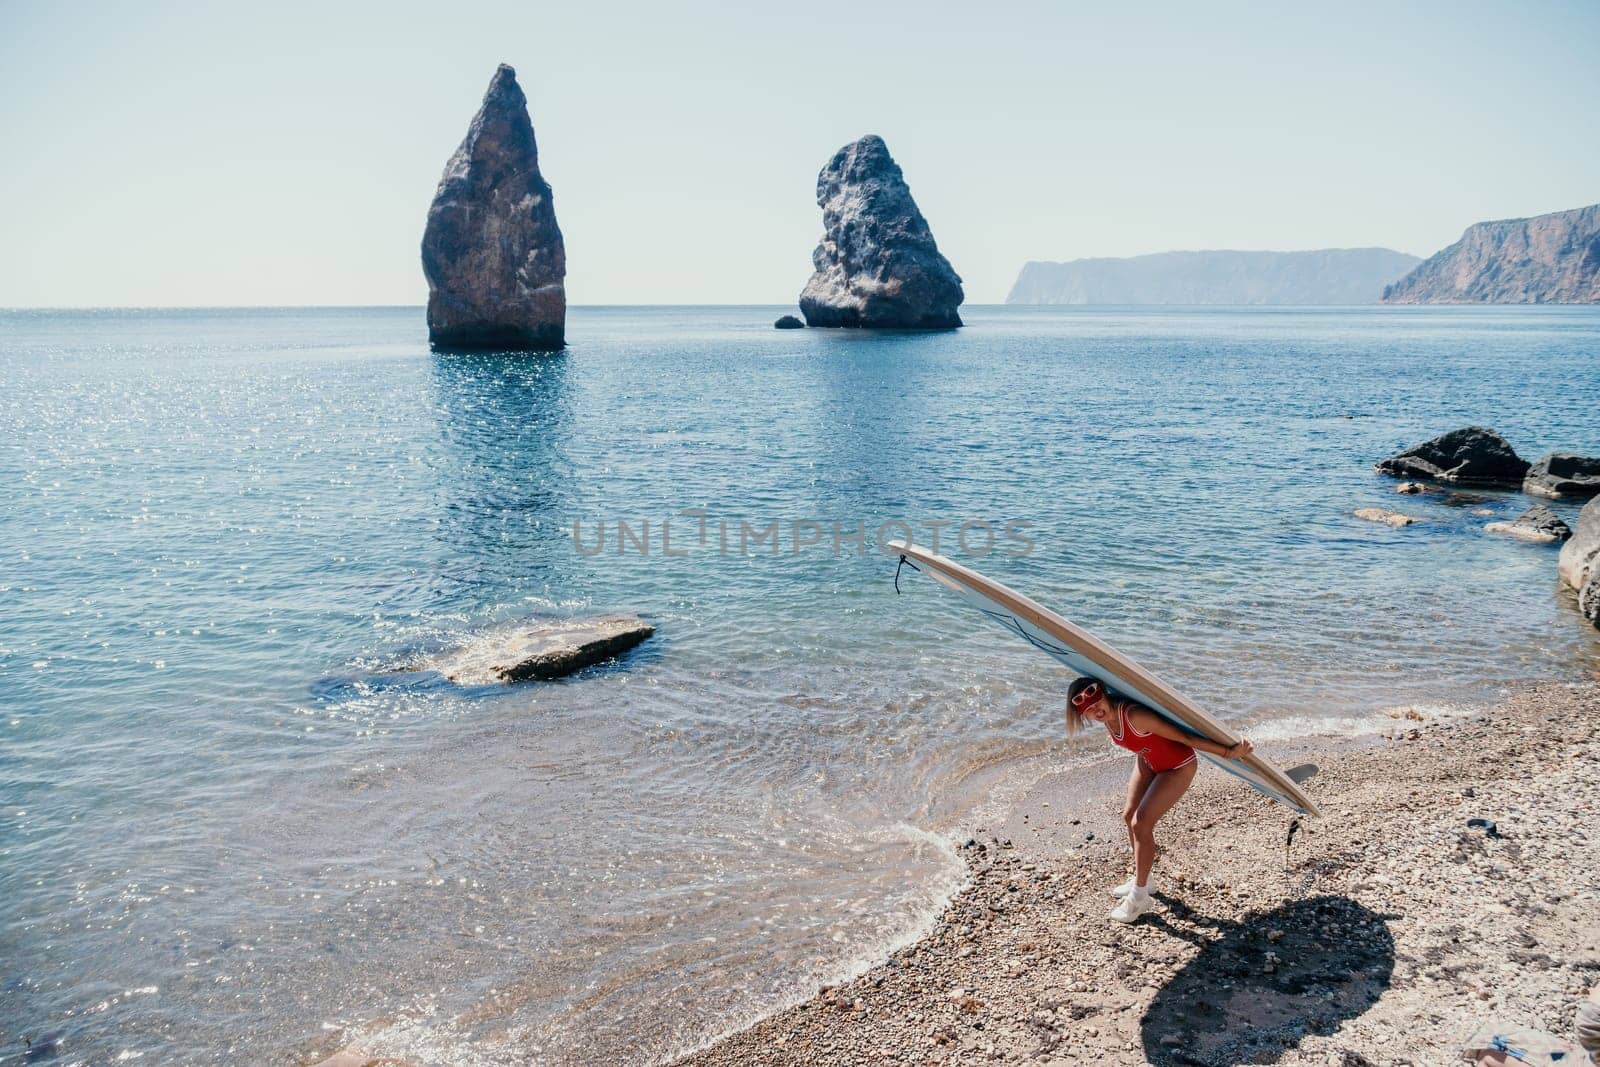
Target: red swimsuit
1159,753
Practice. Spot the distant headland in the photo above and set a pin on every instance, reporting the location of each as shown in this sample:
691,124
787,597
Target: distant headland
1547,259
1323,276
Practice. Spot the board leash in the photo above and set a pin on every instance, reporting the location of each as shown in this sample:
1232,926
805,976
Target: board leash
1307,879
903,563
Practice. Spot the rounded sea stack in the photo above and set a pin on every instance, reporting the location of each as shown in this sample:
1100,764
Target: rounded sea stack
877,264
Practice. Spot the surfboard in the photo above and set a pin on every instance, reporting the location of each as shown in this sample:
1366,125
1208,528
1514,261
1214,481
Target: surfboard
1085,653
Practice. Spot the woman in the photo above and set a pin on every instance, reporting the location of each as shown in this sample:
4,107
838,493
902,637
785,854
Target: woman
1163,767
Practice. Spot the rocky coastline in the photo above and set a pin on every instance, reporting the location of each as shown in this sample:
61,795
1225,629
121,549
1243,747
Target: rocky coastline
1475,456
1436,895
1547,259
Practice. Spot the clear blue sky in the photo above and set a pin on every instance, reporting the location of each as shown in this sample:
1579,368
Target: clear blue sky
285,153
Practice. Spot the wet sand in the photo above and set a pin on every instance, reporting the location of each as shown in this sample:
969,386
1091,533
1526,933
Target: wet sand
1383,934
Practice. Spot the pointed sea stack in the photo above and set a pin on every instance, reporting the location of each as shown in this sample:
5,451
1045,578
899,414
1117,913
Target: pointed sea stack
492,251
877,264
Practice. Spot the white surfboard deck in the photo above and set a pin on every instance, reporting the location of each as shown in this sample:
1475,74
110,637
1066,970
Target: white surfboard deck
1087,654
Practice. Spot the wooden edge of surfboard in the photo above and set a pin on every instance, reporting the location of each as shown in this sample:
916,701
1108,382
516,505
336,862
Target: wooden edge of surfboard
1189,714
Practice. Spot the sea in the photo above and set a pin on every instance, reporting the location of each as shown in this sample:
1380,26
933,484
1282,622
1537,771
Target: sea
241,821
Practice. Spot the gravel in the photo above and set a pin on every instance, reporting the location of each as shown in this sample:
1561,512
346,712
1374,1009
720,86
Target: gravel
1384,934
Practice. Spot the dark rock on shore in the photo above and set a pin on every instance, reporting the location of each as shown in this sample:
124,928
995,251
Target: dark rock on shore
1563,474
1538,523
1578,555
492,252
1548,259
543,650
1469,456
877,264
789,322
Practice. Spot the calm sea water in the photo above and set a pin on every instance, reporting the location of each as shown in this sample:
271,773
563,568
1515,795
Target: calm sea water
234,828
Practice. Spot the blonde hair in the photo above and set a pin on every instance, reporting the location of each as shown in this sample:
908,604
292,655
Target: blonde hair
1074,720
1074,716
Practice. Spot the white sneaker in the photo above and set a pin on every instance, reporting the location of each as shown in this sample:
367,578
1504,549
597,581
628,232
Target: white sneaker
1133,905
1130,885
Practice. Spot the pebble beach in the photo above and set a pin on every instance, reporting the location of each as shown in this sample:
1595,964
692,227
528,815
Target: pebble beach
1384,933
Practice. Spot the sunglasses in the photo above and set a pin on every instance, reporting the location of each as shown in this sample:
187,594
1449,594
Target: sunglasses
1089,695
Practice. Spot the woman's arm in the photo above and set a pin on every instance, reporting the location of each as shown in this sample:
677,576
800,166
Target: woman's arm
1148,722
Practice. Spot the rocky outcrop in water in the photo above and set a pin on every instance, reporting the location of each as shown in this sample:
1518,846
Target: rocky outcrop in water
1548,259
1469,456
1578,555
1563,475
877,264
1538,523
542,650
1323,276
788,322
1579,564
492,252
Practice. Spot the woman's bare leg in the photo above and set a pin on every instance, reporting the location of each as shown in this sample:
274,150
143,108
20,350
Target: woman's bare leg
1138,783
1162,793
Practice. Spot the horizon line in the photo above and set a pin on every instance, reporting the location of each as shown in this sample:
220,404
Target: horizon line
422,308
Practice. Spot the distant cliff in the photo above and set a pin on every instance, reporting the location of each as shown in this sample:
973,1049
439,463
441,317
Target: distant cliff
1325,276
1548,259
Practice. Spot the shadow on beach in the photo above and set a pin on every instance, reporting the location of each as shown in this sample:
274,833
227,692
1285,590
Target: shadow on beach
1260,985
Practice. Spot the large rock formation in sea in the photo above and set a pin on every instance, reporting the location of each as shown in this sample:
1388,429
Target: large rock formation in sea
492,251
877,264
1471,455
1324,276
1548,259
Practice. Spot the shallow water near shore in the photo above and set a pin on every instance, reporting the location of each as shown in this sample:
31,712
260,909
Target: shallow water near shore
233,824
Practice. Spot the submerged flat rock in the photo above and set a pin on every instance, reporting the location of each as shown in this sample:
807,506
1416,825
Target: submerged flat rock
877,264
1538,523
1388,518
492,252
541,651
